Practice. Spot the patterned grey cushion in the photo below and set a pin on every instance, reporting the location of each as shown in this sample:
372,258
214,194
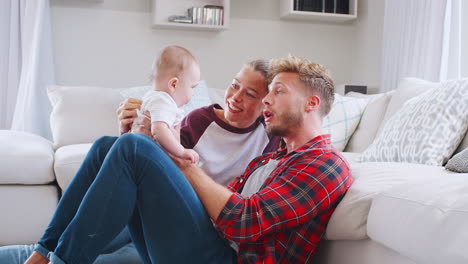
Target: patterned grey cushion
426,130
459,162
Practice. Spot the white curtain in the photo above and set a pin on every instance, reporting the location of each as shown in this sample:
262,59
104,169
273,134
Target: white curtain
421,38
26,67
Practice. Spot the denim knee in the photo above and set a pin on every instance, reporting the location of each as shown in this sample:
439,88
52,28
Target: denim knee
103,143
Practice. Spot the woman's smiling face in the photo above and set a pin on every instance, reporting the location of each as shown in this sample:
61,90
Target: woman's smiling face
243,98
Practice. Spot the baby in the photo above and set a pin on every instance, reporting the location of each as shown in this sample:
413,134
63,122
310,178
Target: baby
176,73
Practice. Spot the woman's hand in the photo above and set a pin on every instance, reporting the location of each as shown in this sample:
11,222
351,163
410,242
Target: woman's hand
126,114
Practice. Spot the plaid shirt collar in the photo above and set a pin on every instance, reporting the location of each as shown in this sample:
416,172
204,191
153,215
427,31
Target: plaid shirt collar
282,155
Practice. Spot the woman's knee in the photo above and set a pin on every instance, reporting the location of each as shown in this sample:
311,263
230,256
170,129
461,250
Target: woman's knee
103,144
133,141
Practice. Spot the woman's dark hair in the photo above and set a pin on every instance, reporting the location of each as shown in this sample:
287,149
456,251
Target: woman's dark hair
262,66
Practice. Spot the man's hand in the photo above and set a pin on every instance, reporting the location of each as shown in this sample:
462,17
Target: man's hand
126,114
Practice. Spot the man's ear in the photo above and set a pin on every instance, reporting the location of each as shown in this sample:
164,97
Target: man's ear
312,103
172,84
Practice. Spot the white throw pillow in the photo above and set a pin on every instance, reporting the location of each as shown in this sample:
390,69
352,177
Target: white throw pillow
82,114
428,128
343,119
370,121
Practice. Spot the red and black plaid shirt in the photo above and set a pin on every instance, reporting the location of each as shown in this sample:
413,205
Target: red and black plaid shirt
285,220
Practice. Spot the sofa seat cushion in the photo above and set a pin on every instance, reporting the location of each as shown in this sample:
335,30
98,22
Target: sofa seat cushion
351,156
424,220
68,160
25,158
349,220
26,212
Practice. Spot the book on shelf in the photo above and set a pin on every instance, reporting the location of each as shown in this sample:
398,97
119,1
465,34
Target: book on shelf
197,15
342,6
181,19
208,15
309,5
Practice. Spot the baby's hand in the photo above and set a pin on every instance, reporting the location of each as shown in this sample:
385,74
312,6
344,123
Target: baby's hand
190,154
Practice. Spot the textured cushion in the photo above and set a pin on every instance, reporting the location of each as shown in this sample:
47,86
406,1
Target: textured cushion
463,145
68,160
82,114
427,129
343,119
459,162
370,120
407,89
424,220
200,97
349,220
25,158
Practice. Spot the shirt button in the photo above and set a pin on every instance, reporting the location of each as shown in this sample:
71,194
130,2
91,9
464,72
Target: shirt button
241,180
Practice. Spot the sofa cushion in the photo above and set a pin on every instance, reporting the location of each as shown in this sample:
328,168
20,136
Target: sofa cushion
424,220
370,120
427,129
459,162
463,145
25,158
349,220
26,212
68,160
343,119
82,114
407,89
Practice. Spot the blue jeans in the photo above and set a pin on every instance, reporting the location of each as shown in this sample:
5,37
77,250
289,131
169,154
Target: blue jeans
130,180
123,255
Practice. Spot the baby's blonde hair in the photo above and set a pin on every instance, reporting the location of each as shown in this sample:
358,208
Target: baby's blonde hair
173,60
315,77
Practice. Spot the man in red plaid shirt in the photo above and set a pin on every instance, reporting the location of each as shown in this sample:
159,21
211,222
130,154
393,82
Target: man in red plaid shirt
277,211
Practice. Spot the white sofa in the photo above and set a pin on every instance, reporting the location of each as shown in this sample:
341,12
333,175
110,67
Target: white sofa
397,213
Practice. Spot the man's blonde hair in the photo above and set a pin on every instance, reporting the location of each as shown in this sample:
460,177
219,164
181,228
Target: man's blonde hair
173,60
315,77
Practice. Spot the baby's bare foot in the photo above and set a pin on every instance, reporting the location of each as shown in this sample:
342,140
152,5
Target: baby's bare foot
36,258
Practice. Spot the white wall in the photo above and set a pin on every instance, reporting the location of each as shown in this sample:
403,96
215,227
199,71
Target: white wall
111,43
367,66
